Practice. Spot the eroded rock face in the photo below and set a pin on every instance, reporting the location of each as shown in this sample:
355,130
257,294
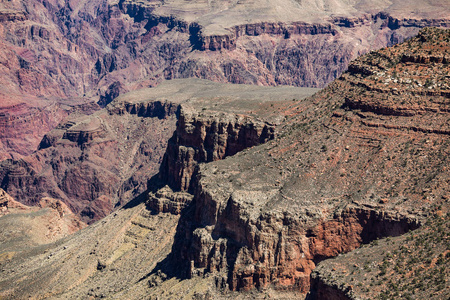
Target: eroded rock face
383,262
349,169
279,249
8,204
165,200
204,138
94,163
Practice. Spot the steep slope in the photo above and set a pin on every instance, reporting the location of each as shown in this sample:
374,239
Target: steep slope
89,51
366,158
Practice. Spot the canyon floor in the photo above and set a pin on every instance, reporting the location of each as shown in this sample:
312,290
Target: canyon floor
268,193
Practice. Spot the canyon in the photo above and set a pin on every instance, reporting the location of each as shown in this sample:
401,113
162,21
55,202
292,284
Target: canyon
262,189
59,56
98,162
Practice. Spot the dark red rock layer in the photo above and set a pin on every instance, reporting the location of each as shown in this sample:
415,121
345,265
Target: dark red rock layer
94,163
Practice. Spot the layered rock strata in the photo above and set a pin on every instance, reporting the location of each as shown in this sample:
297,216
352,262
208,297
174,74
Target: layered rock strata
335,177
165,200
89,51
94,163
99,162
22,125
203,138
339,175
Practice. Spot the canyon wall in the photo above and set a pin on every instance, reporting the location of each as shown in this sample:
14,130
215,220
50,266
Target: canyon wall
203,138
94,163
327,183
306,210
277,250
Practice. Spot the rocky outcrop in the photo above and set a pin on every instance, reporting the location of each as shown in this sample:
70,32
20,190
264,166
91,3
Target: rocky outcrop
228,42
266,216
276,249
204,138
165,200
85,132
8,204
380,265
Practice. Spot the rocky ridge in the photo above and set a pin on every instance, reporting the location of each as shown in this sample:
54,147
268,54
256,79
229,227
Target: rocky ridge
205,138
313,196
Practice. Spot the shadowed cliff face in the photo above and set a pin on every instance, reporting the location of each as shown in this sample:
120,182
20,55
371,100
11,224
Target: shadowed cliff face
376,270
204,138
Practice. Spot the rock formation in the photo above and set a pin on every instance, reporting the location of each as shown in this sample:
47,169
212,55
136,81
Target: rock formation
201,138
8,204
23,124
340,174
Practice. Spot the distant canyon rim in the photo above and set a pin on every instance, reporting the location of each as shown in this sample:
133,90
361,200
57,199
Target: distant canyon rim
62,57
